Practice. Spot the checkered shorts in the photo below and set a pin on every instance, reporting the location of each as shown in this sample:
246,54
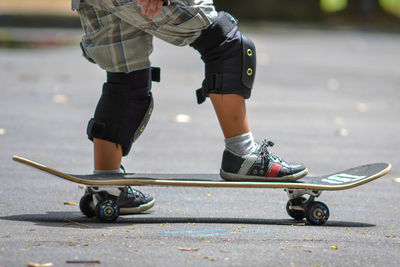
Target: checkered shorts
118,38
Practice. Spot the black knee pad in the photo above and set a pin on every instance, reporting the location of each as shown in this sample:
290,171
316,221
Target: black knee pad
229,57
124,108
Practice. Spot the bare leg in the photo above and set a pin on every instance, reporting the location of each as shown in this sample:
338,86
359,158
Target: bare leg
107,155
231,113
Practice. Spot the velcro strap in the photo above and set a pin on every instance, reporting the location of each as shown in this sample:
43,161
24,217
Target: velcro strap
213,85
201,95
155,74
96,129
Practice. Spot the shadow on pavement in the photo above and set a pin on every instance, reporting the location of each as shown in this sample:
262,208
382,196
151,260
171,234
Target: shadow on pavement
77,220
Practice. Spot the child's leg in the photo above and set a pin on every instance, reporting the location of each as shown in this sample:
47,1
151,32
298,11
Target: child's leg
230,66
231,113
107,155
126,98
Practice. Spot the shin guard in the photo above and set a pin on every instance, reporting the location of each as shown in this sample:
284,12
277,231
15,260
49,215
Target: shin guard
124,108
229,57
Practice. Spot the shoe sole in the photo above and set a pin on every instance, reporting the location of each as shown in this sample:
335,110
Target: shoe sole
139,209
248,178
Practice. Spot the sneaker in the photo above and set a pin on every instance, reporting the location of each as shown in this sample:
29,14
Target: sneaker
260,165
130,200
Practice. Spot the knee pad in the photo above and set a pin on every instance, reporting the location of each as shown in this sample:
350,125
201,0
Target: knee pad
124,108
229,57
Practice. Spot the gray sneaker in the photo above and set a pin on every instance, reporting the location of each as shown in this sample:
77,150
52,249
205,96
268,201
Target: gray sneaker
129,200
260,165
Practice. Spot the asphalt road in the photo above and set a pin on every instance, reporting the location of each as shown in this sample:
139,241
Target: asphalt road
329,99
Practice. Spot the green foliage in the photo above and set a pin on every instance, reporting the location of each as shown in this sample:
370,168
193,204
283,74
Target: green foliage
391,6
333,5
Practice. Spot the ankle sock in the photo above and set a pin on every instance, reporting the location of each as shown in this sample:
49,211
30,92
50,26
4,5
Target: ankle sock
241,145
110,189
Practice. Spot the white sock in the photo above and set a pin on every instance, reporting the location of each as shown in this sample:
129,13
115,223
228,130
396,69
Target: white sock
241,145
110,189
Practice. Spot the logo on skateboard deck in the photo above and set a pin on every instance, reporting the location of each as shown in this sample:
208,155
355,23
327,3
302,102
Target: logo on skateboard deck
342,178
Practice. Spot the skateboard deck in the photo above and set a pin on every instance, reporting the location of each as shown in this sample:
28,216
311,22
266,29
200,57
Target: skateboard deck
337,181
298,205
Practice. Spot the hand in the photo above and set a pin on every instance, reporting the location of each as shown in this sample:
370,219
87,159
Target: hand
151,8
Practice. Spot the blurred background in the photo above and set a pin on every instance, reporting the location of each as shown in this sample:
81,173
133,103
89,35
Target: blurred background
373,13
383,13
376,15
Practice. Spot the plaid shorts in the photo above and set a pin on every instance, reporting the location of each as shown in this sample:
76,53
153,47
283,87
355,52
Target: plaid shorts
118,38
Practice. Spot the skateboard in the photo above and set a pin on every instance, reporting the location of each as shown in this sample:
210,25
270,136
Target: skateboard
302,193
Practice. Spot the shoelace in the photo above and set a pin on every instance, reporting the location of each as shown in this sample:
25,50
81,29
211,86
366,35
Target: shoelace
131,191
268,155
128,189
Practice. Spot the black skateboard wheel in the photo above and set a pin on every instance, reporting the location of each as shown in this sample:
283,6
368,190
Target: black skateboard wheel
107,211
317,213
86,205
295,213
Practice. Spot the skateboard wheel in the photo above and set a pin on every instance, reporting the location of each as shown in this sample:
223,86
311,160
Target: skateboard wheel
107,211
297,214
86,205
317,213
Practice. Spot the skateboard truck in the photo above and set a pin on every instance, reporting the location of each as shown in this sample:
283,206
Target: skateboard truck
299,206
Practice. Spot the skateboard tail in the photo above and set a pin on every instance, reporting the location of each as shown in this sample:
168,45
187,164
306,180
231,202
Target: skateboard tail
49,170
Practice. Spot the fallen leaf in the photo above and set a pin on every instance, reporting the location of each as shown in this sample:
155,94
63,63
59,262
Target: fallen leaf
188,249
69,222
83,262
34,264
335,247
70,203
209,258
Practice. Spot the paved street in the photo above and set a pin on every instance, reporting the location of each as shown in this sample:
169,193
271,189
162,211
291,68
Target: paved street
329,99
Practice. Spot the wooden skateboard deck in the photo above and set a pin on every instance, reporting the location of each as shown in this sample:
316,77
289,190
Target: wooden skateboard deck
336,181
301,193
